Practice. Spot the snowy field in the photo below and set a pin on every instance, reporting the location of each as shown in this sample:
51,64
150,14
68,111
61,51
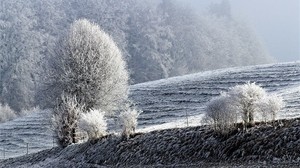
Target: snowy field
168,103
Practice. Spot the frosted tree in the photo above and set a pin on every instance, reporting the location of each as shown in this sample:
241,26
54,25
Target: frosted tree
269,106
220,112
149,43
89,65
65,120
246,100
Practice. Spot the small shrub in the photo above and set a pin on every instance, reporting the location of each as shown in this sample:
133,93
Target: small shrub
93,123
128,120
65,120
220,113
270,106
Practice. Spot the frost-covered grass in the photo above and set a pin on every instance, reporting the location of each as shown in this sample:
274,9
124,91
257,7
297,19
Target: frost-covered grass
272,143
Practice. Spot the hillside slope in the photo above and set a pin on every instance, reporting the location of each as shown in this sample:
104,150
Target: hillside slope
261,145
168,101
165,103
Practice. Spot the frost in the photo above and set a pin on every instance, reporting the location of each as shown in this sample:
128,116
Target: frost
129,121
93,122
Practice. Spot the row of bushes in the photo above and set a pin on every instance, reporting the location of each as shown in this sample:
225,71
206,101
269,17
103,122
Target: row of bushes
243,103
72,124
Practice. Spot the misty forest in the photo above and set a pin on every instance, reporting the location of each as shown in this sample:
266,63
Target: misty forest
158,39
91,83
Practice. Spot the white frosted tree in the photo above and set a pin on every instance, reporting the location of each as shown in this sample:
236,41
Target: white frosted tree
246,100
89,68
220,112
89,65
269,106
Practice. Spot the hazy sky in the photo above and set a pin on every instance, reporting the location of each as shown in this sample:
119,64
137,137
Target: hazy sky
277,22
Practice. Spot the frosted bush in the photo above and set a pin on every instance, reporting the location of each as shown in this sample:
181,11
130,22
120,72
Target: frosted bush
220,112
243,102
6,113
270,106
93,123
65,120
128,120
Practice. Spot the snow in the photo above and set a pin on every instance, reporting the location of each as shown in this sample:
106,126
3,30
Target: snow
166,102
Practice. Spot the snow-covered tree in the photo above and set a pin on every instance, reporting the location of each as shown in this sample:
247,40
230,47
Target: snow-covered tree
65,119
89,65
93,122
149,43
128,120
269,106
220,112
246,99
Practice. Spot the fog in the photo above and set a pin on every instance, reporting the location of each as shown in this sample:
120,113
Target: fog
276,22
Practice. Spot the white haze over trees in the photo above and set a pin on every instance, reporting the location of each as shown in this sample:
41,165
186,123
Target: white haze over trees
158,39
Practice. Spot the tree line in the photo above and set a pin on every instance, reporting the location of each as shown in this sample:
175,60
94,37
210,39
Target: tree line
158,39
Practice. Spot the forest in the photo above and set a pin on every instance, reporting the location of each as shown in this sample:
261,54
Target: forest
158,39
